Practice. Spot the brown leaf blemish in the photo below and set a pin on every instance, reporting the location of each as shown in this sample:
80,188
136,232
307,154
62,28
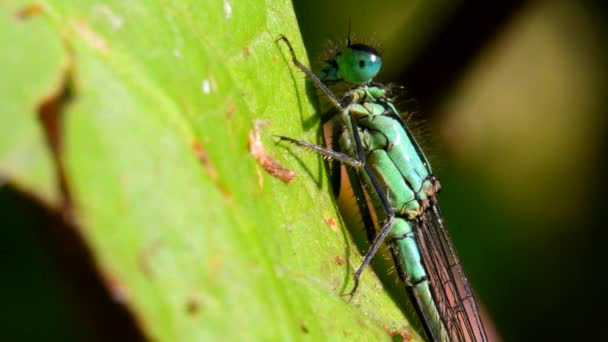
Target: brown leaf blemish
51,110
405,334
203,158
30,11
331,222
231,108
338,260
246,52
201,154
193,305
271,165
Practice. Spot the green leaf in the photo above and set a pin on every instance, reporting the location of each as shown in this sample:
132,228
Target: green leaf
189,230
28,80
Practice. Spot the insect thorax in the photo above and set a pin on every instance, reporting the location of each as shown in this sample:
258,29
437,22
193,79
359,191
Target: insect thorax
384,135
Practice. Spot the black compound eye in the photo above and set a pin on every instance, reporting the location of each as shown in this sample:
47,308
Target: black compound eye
361,63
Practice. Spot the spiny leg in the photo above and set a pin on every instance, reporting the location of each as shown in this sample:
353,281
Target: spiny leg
390,213
357,164
325,152
310,74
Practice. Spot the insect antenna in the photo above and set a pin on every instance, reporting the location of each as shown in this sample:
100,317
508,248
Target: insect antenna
348,39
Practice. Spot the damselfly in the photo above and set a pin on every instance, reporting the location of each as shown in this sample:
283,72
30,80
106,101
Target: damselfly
394,185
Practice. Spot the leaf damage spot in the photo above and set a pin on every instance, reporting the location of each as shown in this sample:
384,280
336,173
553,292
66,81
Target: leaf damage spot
193,305
304,328
50,112
338,260
226,194
231,108
227,9
91,37
271,165
30,11
246,52
208,85
333,225
403,333
203,158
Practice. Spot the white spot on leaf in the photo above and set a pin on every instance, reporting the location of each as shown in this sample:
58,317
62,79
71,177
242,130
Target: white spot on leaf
227,9
206,87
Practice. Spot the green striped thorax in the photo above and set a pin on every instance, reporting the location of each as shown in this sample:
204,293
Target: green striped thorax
356,63
381,128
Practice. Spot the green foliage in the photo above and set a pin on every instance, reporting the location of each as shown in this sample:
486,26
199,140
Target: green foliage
189,231
28,78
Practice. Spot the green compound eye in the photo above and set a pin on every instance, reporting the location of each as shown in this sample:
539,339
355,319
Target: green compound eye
357,63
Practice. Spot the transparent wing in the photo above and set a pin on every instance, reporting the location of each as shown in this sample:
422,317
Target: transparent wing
449,284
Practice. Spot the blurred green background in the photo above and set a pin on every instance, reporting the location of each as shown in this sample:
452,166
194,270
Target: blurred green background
513,95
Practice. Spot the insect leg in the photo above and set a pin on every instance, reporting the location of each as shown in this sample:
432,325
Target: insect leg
325,152
390,213
332,98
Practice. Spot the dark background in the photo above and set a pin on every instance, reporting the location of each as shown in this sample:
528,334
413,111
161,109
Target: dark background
513,95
